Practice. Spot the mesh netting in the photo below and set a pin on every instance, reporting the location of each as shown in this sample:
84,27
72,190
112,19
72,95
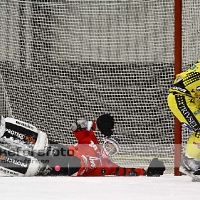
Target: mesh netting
64,60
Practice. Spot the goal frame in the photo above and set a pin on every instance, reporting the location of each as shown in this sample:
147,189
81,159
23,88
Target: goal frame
27,51
177,70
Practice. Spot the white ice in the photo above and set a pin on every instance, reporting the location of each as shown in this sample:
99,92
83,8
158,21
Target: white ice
166,187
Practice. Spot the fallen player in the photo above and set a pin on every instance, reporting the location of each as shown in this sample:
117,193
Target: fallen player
27,151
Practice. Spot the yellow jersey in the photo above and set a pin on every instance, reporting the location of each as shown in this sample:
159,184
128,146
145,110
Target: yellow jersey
188,82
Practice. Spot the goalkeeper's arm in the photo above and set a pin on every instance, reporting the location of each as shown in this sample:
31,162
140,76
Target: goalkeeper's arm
104,123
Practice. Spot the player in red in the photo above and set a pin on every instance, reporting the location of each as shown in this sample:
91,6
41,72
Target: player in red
89,158
95,159
27,151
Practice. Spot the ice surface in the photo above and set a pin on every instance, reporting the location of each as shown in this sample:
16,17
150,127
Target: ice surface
99,188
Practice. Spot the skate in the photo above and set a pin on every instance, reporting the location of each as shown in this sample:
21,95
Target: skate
194,175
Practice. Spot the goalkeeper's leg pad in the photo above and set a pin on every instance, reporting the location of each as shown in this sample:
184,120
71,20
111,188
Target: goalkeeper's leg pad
14,164
58,155
24,135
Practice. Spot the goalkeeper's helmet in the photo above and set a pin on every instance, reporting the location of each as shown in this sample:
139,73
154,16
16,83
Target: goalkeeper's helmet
110,147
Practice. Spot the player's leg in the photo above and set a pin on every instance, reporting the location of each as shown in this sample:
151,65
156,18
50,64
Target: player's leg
25,138
15,164
184,108
56,161
191,159
59,160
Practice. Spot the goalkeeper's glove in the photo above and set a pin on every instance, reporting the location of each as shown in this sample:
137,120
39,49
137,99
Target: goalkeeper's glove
156,168
83,124
105,123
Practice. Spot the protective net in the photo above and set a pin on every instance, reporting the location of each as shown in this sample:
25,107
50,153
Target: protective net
65,60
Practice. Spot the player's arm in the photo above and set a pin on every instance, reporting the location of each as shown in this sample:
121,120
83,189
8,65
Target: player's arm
84,129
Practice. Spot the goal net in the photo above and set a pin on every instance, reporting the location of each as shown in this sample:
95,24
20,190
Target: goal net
63,60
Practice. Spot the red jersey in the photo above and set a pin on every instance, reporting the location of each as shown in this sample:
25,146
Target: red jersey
88,151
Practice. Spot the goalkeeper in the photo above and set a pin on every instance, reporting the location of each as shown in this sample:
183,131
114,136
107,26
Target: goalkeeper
40,157
184,102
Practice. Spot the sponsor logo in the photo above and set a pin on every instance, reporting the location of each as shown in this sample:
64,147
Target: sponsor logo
15,133
5,171
30,139
5,159
94,146
191,120
16,162
24,124
21,136
178,88
92,162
